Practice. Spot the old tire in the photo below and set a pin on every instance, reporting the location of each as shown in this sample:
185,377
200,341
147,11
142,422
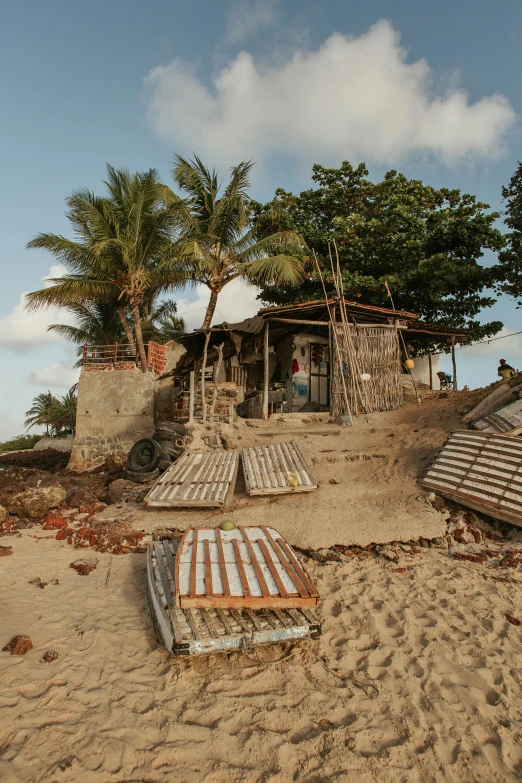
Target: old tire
171,428
169,452
144,456
164,464
141,478
175,443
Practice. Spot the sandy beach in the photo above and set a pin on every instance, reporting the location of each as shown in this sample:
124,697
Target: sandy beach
416,676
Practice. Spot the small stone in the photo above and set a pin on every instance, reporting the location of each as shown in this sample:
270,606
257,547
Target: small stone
4,514
49,656
19,645
84,567
53,521
5,551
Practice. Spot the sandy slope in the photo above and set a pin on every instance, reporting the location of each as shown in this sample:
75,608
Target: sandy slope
376,465
416,678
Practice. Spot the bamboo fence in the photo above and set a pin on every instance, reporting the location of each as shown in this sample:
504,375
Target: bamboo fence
366,351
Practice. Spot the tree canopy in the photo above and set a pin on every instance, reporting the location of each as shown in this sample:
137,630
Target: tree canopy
217,242
510,279
426,243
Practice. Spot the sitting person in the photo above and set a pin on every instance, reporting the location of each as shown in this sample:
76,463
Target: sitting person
505,370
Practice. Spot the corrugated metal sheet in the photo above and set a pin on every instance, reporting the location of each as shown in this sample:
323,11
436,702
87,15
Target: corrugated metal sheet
482,471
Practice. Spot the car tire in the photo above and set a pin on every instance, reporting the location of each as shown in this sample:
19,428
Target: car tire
141,478
144,456
164,464
169,452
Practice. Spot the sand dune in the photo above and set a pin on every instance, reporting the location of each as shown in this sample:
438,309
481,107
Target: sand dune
416,677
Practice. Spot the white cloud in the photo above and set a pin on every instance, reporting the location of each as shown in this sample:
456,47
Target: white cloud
353,98
21,329
57,375
236,302
245,18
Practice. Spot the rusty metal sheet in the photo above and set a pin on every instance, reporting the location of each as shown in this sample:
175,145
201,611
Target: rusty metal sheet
480,470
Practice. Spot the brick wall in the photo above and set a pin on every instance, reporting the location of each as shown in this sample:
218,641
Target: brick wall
156,361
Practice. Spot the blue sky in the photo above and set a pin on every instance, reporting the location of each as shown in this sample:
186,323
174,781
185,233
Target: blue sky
430,88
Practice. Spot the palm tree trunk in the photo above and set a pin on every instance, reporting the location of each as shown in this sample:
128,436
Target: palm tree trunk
139,336
126,328
210,309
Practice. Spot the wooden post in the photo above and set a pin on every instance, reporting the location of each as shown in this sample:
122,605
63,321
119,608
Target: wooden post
266,373
453,361
115,356
231,413
217,370
191,397
203,368
84,354
431,371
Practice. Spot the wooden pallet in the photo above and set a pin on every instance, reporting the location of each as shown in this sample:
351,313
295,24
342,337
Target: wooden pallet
197,479
482,471
248,566
504,420
279,468
202,631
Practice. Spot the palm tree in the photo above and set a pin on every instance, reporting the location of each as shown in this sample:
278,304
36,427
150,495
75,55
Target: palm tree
123,252
65,411
97,323
161,322
217,243
41,412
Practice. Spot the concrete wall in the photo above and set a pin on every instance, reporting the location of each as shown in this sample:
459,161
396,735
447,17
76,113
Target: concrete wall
421,371
115,409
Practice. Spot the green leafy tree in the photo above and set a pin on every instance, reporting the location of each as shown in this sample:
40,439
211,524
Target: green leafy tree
122,254
510,279
217,241
425,243
42,412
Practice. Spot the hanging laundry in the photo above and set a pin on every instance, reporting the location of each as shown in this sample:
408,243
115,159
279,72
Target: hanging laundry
295,366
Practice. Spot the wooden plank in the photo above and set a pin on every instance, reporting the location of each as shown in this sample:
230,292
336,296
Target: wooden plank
265,592
226,622
167,585
303,576
266,363
302,589
208,568
241,569
192,590
272,568
221,562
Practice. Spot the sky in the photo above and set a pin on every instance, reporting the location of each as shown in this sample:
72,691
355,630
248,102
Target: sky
432,89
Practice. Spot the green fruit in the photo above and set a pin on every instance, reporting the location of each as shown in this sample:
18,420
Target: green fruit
228,524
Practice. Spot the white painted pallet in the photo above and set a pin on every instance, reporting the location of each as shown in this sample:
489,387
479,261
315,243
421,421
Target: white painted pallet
279,468
503,420
247,566
203,631
197,479
482,471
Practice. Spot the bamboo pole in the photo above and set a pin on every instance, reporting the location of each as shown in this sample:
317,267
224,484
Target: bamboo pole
191,396
203,368
336,344
431,371
217,370
265,372
454,363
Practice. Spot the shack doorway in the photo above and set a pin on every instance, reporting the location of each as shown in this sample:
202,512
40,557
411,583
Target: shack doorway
319,375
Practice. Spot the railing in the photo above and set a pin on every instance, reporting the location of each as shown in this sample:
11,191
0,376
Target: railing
120,353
